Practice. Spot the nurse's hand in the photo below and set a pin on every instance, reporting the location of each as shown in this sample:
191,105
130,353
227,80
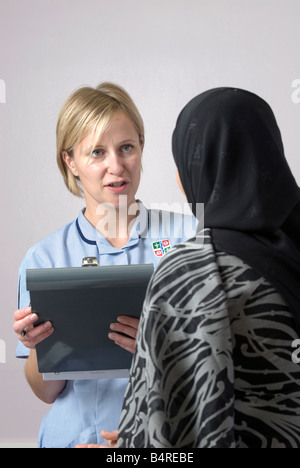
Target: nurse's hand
26,332
129,327
111,438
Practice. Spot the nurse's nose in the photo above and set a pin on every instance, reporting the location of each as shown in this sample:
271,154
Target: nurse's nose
114,164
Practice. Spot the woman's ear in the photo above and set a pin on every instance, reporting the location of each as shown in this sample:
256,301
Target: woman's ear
69,160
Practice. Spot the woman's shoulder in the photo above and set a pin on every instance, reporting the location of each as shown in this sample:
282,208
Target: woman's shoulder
164,221
186,275
40,253
189,256
200,244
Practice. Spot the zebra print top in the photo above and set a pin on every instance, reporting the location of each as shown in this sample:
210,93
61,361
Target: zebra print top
213,365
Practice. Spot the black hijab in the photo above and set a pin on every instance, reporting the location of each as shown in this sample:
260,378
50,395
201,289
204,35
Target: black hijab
229,154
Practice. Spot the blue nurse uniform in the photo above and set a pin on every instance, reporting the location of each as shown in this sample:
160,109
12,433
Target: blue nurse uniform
86,407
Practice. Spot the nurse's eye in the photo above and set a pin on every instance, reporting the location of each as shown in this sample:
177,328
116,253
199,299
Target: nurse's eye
98,153
127,148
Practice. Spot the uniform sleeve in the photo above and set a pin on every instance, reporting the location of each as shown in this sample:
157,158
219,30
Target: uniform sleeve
51,252
181,389
23,301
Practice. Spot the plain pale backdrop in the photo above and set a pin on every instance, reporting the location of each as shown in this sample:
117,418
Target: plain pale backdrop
163,52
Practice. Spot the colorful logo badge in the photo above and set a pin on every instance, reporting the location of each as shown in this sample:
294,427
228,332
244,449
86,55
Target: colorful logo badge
160,248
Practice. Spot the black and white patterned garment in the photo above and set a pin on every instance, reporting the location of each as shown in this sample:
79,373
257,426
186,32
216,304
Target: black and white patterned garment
213,365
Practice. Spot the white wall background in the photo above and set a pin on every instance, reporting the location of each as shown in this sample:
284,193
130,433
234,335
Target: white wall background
163,52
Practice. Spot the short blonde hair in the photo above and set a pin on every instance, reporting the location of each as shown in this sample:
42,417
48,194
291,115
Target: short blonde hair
90,109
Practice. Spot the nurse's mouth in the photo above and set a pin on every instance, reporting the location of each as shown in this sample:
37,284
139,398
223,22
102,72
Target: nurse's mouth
117,186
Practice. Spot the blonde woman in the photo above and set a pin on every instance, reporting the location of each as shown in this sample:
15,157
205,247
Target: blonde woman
100,140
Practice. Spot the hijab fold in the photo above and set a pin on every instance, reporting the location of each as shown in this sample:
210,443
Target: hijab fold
229,153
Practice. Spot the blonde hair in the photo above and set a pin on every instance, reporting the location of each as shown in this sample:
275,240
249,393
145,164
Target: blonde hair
90,109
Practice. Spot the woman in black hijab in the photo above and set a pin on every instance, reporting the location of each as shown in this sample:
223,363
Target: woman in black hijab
229,153
213,366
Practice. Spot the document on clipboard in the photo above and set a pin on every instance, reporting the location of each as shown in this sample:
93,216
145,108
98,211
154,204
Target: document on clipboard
81,303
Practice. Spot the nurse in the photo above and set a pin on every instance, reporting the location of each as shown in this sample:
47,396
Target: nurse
100,140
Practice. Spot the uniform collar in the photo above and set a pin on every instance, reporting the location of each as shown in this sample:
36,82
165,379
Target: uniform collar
91,236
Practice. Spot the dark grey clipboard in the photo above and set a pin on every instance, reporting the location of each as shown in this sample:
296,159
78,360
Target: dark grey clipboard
81,303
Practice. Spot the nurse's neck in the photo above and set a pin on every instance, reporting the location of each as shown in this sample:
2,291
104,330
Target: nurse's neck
114,223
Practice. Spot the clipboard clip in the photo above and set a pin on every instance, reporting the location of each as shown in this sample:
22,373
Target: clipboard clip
89,261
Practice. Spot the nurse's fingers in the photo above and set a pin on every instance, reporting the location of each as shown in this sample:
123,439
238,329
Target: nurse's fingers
127,325
36,335
124,342
111,438
23,319
90,446
22,313
25,330
131,322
